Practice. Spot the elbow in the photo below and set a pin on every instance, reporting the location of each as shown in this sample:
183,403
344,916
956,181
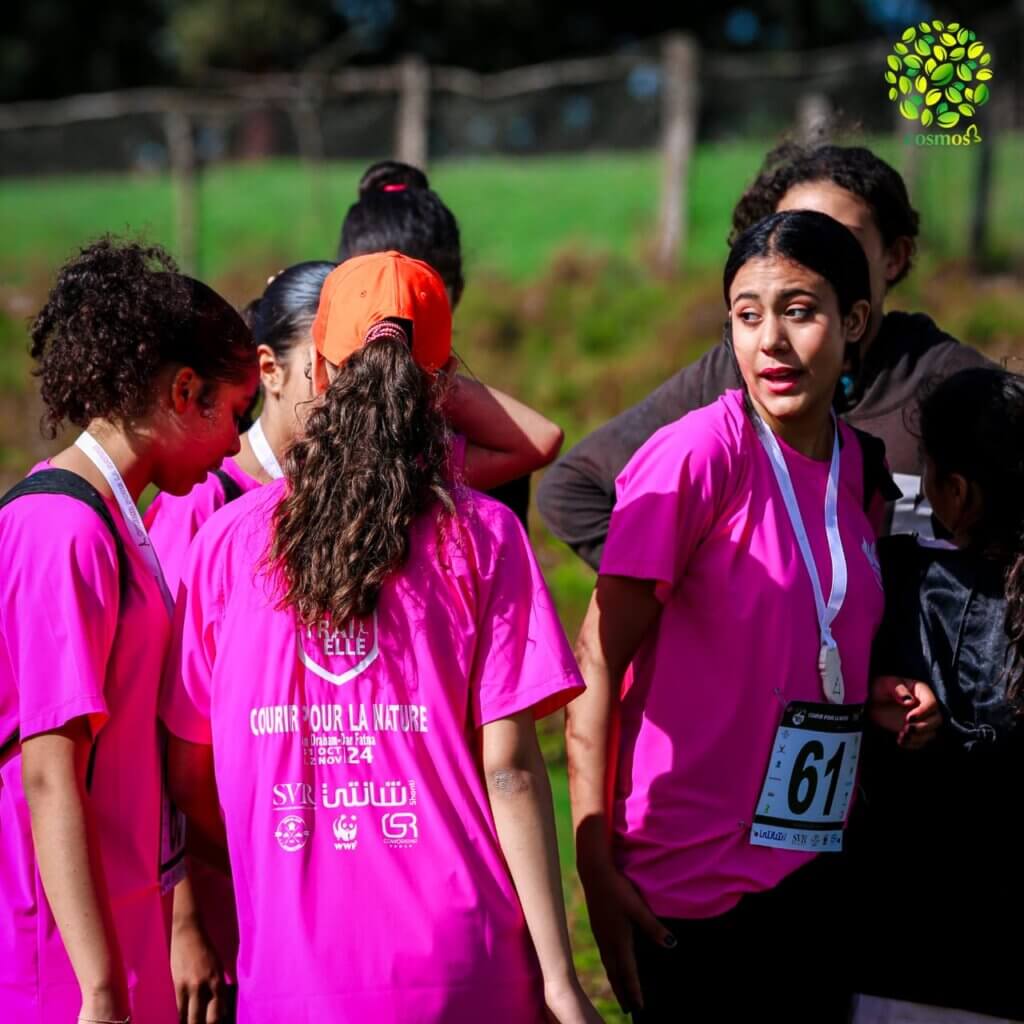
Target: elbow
549,444
44,780
537,449
38,784
510,781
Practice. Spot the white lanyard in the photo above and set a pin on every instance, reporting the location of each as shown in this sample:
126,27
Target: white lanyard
102,461
263,452
828,660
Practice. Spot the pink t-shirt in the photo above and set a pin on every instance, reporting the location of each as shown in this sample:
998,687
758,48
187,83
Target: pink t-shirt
699,511
367,870
71,647
173,520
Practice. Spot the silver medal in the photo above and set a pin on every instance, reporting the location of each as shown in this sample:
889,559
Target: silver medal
831,669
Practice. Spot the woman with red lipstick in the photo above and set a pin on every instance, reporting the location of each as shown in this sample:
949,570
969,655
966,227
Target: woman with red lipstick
739,581
884,370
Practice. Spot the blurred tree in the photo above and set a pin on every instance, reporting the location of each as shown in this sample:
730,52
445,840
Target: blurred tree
52,47
55,47
250,35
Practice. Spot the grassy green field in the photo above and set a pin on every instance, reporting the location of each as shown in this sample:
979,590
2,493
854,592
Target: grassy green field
514,214
560,306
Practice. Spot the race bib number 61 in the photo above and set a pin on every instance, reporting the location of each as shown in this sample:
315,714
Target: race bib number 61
810,778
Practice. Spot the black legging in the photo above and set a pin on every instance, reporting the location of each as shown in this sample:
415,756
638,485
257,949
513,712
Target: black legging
778,955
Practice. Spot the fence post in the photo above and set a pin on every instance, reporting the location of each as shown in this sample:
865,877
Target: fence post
181,150
997,119
814,118
679,130
305,114
413,111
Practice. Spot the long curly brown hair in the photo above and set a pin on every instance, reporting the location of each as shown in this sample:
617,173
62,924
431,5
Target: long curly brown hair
119,313
372,458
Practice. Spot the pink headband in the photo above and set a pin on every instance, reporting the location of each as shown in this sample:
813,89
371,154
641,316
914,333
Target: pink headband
393,188
387,329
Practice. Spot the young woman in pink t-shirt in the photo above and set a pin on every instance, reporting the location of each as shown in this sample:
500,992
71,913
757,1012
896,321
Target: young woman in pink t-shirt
156,369
501,439
740,581
361,650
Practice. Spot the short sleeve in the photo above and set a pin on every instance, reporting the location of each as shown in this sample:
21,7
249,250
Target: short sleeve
59,607
188,671
522,659
667,500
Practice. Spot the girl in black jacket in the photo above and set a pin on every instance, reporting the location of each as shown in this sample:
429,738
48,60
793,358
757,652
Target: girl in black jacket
940,830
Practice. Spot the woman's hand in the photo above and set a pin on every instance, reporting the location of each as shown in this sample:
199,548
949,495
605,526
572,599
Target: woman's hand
616,910
199,984
567,1003
907,708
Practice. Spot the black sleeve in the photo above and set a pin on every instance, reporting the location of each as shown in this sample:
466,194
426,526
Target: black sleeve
899,647
515,495
577,494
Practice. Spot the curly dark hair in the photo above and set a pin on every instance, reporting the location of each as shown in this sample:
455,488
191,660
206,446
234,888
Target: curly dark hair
972,423
853,168
371,460
398,210
118,314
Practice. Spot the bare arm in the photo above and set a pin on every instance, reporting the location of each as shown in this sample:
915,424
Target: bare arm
520,798
621,612
506,438
53,768
577,494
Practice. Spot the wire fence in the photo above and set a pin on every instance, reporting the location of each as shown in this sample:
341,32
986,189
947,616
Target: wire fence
663,94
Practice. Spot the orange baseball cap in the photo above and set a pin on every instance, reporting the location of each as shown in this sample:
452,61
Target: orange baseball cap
365,290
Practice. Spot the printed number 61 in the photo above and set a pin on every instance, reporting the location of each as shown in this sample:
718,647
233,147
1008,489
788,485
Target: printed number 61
803,783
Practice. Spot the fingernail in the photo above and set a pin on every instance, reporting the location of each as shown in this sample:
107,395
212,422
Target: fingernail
670,942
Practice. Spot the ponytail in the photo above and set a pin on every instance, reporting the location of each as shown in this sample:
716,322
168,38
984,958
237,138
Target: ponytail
371,460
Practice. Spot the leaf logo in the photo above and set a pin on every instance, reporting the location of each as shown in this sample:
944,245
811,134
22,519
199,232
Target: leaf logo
938,74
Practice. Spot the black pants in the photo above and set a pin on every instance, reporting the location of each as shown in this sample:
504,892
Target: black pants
779,956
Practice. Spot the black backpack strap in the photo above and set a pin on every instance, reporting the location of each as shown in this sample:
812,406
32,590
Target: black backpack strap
63,481
229,485
877,478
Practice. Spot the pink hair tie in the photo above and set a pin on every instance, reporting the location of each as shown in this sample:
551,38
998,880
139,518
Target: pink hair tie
386,329
394,188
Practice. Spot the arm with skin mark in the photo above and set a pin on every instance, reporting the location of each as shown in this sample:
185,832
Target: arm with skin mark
53,768
621,612
520,798
506,439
